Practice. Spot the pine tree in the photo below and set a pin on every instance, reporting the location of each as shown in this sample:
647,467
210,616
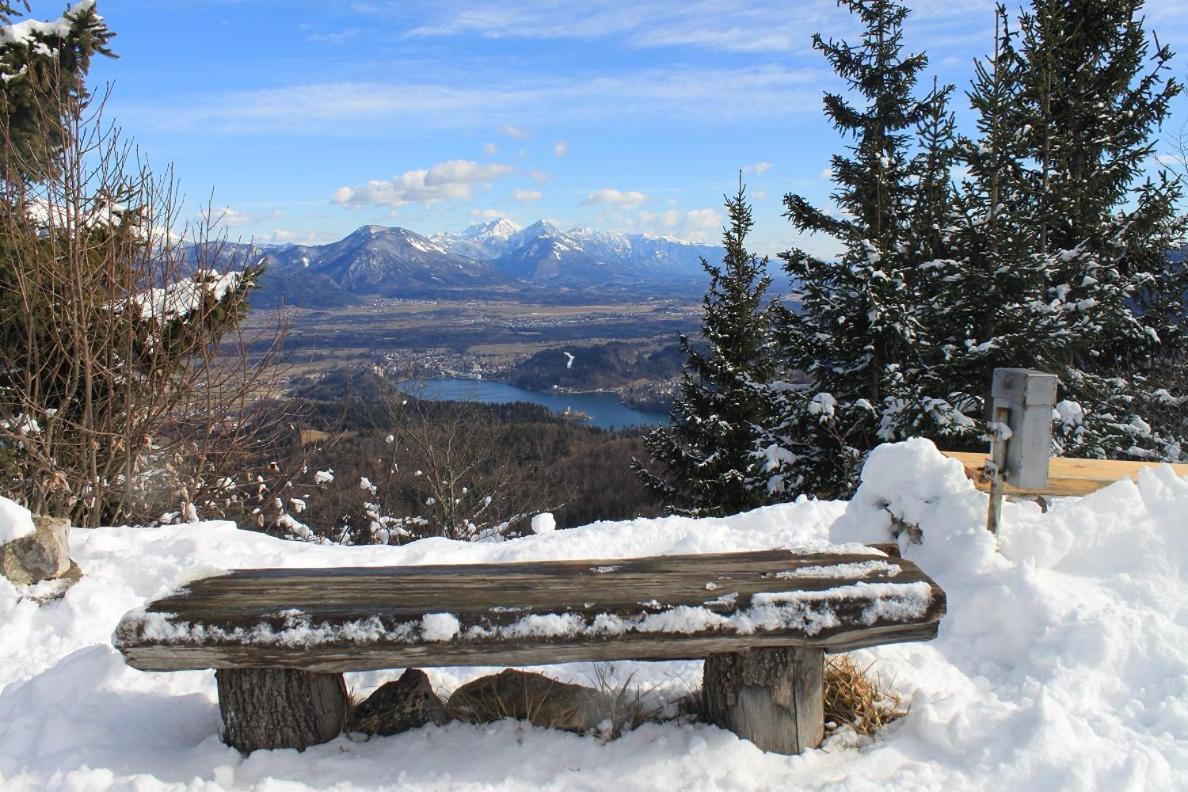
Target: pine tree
44,67
1061,241
986,289
1097,98
713,449
856,334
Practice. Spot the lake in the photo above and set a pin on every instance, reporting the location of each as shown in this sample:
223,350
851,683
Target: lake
605,409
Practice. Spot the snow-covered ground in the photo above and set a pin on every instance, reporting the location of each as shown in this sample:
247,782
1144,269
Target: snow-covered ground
1062,664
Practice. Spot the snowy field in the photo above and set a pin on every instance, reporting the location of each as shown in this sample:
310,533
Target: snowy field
1062,664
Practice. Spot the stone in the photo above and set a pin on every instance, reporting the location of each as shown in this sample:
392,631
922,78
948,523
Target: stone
57,588
532,697
407,703
43,555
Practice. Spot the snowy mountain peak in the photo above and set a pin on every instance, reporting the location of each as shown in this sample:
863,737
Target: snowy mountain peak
501,228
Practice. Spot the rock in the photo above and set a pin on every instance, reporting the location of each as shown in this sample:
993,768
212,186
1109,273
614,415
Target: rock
43,555
532,697
56,588
398,706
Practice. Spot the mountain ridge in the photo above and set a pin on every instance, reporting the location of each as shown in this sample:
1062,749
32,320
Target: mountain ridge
482,260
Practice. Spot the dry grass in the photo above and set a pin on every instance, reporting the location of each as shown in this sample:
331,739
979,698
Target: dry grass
856,698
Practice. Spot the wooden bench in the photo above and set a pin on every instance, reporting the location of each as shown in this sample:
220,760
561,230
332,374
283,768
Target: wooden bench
1066,476
281,639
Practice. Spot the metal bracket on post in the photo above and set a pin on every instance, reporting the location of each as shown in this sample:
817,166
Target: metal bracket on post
1021,434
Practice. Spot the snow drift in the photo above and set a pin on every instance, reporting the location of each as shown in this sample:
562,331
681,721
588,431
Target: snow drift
1063,662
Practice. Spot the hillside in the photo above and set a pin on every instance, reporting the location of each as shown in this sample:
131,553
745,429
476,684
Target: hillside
601,367
1060,665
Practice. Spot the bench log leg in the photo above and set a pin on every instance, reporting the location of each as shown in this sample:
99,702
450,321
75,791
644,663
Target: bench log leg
772,697
280,707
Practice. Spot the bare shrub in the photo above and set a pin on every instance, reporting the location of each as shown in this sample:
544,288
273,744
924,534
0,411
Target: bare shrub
126,384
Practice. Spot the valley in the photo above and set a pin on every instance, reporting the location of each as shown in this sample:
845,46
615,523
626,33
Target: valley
625,347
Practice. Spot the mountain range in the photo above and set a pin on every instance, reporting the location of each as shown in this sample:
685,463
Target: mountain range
488,259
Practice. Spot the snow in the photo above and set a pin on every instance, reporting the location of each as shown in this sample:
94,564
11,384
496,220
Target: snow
1062,662
544,523
181,299
24,32
15,521
439,626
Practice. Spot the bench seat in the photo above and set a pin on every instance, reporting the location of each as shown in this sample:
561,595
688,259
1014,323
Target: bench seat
329,621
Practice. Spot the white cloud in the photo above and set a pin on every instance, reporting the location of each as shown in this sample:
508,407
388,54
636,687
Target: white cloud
286,236
723,25
487,214
718,95
452,180
515,132
758,168
540,177
490,149
334,37
560,148
225,217
698,225
712,24
609,195
700,221
826,174
759,195
527,196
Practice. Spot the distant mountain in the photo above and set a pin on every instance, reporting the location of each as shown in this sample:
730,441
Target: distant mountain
540,259
584,258
484,241
393,261
372,261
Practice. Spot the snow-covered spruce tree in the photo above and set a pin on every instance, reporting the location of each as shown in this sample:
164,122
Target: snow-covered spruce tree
1061,238
984,289
856,331
44,67
712,450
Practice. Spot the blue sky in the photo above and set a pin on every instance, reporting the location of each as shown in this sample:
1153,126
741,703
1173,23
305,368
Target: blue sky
309,119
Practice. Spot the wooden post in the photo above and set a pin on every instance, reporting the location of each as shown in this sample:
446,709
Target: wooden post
997,469
280,707
772,697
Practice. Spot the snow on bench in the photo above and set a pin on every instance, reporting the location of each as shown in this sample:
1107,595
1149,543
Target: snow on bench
281,638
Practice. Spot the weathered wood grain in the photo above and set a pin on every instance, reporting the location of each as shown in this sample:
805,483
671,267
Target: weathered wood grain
1066,476
280,708
772,697
491,601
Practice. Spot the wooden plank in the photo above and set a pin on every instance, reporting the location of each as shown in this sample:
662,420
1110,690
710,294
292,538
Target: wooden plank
330,620
1066,475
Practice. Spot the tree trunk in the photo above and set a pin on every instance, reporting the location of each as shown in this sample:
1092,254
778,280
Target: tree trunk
280,707
772,697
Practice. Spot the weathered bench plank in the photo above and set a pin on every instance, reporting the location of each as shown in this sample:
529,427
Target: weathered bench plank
1066,476
667,607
